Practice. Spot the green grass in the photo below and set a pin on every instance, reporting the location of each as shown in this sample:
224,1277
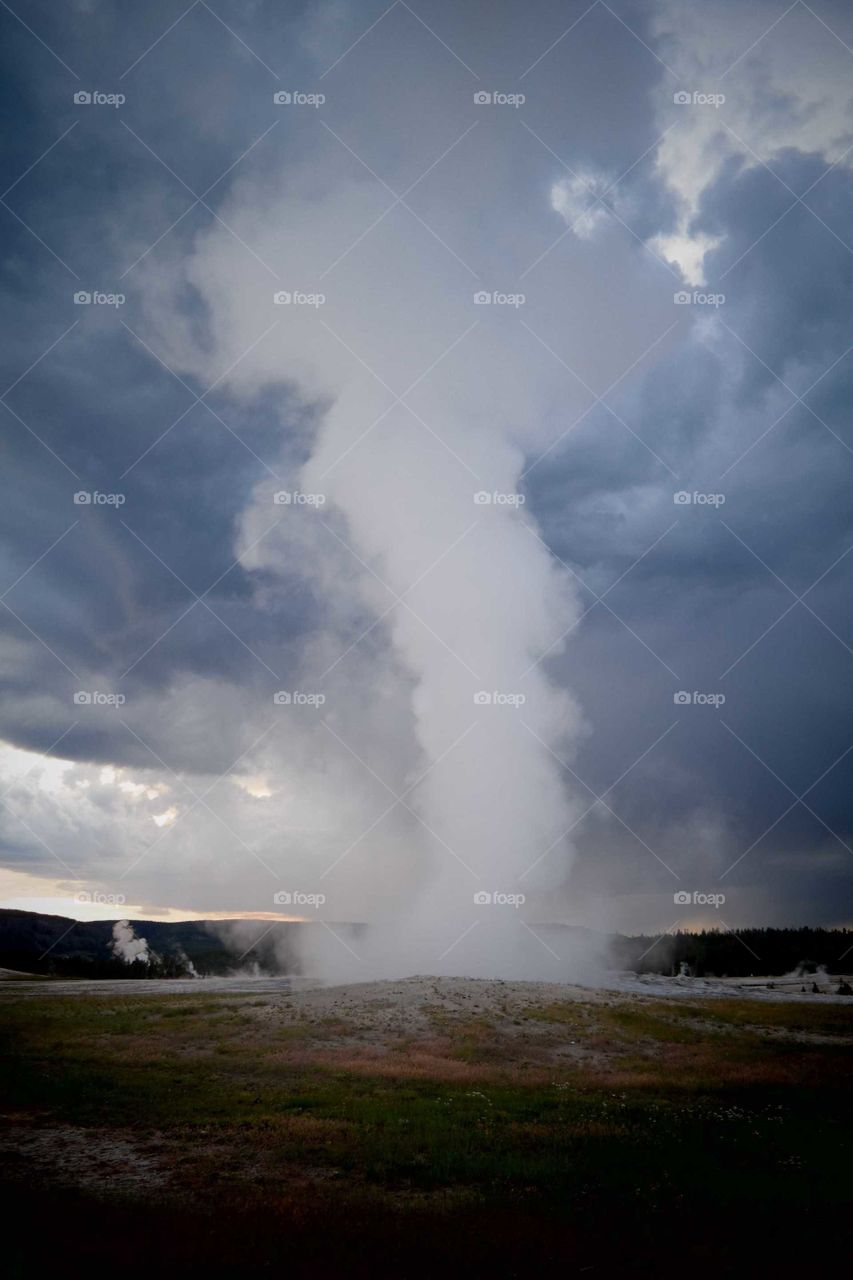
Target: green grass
819,1019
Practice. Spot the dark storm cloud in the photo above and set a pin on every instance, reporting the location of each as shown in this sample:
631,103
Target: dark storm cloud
97,411
702,598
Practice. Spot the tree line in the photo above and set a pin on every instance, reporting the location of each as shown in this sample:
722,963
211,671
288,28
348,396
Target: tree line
725,953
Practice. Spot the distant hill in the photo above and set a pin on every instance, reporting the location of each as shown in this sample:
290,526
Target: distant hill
58,945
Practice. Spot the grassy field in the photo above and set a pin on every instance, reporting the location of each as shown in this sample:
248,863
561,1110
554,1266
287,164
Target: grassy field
233,1134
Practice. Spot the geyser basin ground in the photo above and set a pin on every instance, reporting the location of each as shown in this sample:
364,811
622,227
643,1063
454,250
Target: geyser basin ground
396,1127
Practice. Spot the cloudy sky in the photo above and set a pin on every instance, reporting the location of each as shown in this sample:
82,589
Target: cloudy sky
458,396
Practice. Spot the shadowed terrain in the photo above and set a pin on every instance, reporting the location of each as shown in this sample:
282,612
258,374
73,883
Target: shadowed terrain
401,1126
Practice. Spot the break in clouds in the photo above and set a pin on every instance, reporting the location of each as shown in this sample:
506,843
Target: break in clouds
428,491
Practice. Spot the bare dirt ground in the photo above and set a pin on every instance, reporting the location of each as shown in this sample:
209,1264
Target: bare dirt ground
84,1159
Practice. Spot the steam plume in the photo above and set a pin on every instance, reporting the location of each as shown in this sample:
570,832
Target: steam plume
126,946
466,597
